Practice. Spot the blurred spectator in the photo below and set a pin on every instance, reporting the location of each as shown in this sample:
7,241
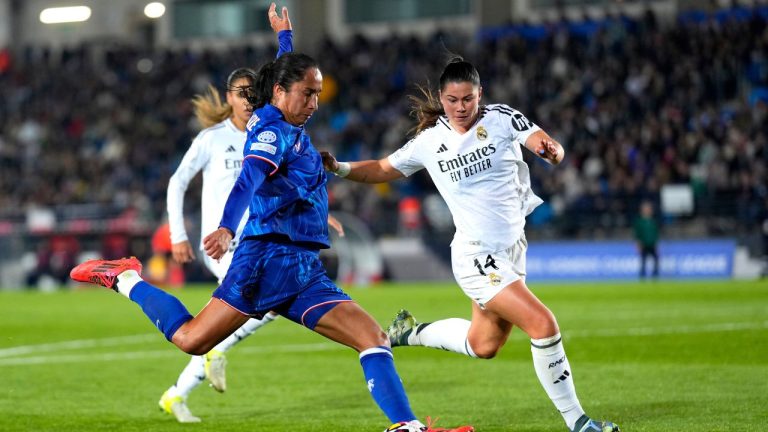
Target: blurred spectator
409,210
115,245
56,255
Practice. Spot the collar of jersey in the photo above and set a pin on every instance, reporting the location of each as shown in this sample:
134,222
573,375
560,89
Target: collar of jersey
228,122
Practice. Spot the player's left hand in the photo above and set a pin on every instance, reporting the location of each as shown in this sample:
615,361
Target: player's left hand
336,225
277,22
216,244
329,161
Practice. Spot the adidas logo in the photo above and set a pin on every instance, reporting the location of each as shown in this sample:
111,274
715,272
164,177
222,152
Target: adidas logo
231,149
104,267
442,148
562,377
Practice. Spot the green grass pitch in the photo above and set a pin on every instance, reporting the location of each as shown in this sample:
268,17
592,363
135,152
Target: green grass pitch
665,356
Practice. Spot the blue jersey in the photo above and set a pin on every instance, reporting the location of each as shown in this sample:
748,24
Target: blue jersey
292,201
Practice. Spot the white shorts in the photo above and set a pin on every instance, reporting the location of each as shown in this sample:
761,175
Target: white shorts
219,269
482,273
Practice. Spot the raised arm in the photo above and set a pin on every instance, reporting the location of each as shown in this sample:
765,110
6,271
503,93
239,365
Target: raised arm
282,26
545,147
369,171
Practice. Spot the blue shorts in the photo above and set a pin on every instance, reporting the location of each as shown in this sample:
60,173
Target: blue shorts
282,277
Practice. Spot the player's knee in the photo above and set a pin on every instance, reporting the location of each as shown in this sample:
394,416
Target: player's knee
486,351
543,325
190,344
483,350
380,338
375,339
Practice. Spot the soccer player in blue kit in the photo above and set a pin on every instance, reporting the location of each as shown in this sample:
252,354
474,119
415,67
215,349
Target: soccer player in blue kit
276,266
217,151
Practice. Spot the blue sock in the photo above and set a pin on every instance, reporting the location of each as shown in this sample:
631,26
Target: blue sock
385,385
164,310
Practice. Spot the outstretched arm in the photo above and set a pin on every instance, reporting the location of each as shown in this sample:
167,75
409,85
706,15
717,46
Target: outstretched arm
545,147
369,171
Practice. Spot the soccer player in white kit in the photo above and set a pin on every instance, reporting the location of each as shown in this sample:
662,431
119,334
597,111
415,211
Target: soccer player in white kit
474,156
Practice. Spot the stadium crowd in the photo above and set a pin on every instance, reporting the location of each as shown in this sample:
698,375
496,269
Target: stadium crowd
636,104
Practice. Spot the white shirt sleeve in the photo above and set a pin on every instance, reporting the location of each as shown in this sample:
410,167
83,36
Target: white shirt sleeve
407,159
518,126
194,160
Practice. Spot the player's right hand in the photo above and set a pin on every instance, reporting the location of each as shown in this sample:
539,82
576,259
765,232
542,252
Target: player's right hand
329,161
216,244
182,252
279,23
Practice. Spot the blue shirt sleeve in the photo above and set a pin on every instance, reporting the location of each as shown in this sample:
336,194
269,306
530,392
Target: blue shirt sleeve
267,143
251,177
284,42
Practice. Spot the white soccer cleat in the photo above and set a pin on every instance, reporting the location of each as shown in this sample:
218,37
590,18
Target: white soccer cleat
401,328
586,424
177,406
216,370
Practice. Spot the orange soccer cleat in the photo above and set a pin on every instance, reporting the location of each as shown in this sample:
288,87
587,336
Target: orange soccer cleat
104,272
430,428
417,426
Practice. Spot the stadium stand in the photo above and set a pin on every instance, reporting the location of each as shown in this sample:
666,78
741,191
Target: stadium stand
93,133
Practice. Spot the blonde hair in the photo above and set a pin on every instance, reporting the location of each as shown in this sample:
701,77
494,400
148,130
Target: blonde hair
426,109
209,108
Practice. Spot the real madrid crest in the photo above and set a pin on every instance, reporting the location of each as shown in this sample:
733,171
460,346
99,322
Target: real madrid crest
482,134
494,279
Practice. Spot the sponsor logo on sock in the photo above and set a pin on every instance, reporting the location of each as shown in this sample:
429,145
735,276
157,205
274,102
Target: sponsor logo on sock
556,362
370,385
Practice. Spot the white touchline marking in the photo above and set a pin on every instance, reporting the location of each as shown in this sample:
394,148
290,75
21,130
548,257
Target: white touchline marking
683,329
654,331
97,357
17,358
77,344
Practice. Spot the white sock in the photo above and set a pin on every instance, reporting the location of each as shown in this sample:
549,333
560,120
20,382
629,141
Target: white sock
417,424
191,377
126,281
448,334
555,375
244,331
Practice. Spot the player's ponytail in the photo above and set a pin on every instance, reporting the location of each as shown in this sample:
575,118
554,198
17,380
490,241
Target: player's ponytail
285,70
261,91
209,108
427,108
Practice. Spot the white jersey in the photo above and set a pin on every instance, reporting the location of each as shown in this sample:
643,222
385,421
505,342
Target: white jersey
218,152
480,174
